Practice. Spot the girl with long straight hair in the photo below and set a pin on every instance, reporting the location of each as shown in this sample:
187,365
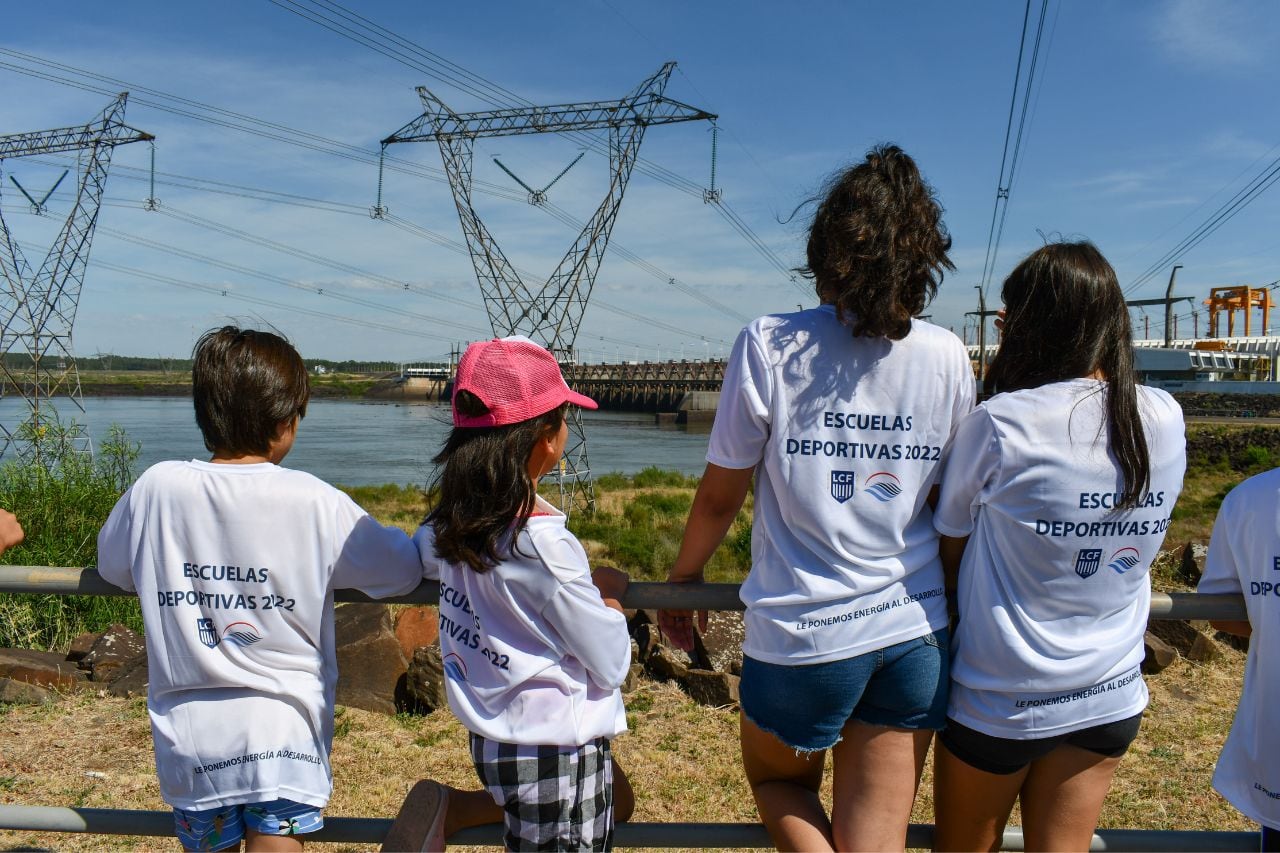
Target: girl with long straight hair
841,413
1055,498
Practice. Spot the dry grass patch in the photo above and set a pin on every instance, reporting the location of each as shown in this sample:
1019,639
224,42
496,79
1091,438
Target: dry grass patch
682,759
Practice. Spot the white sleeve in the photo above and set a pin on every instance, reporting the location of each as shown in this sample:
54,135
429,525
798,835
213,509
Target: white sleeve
425,541
594,634
588,630
1222,564
379,561
969,472
742,425
967,393
115,553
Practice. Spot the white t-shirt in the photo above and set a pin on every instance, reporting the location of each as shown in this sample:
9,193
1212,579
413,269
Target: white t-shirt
1053,588
235,567
531,653
1244,558
848,435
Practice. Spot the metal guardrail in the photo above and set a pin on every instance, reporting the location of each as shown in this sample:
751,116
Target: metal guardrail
54,580
367,830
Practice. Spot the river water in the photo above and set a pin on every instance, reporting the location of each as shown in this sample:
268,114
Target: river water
368,443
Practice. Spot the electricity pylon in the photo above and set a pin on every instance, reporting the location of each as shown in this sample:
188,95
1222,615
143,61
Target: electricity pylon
37,312
549,313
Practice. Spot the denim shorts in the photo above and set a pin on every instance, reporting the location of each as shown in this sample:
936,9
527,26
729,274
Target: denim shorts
223,828
903,686
1005,756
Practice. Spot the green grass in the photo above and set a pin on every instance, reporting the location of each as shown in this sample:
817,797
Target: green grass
62,498
638,524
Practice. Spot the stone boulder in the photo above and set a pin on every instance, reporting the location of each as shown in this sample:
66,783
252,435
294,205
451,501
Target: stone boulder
1191,566
131,679
1159,654
1176,632
80,645
722,641
424,681
117,648
1204,650
22,693
44,669
715,689
417,627
371,666
663,665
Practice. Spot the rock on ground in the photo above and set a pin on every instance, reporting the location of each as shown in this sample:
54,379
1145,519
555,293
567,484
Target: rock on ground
1159,654
20,693
44,669
371,666
115,649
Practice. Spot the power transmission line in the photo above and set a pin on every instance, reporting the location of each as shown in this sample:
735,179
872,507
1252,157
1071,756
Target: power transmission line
343,22
1009,156
282,133
1259,184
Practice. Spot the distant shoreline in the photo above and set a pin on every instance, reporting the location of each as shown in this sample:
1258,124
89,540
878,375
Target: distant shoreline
148,384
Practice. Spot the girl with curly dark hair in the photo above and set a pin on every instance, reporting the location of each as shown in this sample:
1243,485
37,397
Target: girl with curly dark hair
842,413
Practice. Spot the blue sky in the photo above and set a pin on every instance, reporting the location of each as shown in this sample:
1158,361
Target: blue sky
1145,118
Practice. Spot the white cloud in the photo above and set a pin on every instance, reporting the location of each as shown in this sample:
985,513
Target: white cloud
1219,34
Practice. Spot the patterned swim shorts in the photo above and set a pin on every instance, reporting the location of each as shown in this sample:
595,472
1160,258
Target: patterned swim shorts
223,828
553,797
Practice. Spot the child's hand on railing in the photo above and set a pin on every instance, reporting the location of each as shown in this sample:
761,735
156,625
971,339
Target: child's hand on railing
677,625
612,584
10,531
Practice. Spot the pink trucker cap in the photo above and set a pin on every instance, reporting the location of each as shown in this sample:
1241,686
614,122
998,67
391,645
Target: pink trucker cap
516,378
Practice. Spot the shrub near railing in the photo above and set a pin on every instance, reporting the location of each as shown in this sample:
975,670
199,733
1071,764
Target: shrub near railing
62,498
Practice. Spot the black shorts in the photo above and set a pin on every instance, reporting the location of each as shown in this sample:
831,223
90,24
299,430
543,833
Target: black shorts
1006,755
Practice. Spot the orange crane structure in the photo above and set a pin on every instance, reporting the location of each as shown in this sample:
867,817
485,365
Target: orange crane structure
1238,298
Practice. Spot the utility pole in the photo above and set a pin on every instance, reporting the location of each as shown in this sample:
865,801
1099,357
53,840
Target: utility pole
982,314
1168,302
37,311
549,313
1168,308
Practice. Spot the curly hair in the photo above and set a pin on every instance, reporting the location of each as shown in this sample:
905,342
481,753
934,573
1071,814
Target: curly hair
877,245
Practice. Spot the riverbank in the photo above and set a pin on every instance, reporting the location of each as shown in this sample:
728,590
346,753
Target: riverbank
147,383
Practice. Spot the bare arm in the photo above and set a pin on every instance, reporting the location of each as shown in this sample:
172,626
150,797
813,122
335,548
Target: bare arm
719,497
1240,629
951,549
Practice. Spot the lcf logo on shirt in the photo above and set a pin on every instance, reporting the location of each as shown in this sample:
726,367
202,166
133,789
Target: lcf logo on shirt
842,485
881,485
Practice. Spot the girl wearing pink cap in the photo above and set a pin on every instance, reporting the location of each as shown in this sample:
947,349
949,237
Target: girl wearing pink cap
534,643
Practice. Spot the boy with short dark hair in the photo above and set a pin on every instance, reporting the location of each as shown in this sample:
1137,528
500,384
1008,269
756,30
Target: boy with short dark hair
235,561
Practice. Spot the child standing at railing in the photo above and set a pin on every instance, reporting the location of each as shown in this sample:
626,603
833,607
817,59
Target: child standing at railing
235,561
1244,558
535,645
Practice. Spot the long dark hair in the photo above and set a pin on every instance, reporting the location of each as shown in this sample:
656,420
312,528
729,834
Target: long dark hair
483,492
877,246
1065,318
